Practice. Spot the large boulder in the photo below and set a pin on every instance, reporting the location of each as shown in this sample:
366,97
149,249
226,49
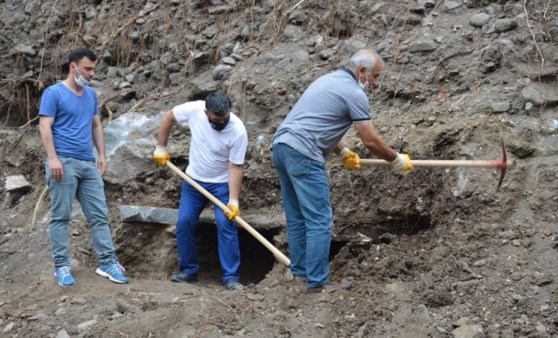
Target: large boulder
130,140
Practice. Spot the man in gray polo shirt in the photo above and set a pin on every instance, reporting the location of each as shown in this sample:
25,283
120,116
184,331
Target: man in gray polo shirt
313,129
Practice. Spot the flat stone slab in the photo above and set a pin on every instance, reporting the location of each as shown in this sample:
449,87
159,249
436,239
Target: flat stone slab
17,182
263,220
131,213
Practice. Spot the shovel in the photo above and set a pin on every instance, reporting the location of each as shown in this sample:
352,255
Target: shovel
278,254
502,164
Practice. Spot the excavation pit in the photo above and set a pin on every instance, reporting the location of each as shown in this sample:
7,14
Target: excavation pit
149,251
382,230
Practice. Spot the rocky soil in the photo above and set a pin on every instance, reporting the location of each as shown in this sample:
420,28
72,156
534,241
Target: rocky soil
436,253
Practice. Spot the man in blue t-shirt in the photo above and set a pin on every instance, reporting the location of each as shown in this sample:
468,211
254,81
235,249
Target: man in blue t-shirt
313,129
70,126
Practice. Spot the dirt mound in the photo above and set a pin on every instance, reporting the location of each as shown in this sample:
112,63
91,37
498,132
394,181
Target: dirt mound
437,253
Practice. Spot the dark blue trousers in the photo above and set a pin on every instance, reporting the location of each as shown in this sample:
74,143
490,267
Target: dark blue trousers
192,202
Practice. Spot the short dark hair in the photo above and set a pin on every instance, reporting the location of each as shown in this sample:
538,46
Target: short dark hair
218,103
79,53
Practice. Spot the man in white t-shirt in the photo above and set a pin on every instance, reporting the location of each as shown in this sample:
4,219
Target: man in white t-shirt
217,149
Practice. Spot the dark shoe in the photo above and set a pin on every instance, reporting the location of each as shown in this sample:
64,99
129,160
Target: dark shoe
233,285
299,280
331,287
184,277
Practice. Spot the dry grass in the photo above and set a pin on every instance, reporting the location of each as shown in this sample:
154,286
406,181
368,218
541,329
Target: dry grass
21,104
109,34
539,16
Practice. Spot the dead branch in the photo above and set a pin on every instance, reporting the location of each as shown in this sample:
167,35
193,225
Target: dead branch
400,46
343,229
227,305
127,24
154,97
43,51
18,139
3,96
28,105
295,6
532,34
458,53
122,334
223,326
16,83
110,114
8,55
29,122
107,99
278,26
319,65
36,209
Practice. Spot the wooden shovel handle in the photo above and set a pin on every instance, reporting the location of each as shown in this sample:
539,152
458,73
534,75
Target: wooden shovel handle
278,254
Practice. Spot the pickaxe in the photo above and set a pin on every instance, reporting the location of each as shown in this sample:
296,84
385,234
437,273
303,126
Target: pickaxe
502,164
278,254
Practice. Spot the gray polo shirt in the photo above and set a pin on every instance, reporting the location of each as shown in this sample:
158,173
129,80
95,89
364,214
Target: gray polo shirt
323,114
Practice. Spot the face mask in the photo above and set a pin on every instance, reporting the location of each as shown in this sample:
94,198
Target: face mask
363,86
81,81
218,125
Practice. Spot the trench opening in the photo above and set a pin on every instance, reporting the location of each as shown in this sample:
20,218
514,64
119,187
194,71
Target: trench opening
148,251
256,261
382,230
408,224
334,248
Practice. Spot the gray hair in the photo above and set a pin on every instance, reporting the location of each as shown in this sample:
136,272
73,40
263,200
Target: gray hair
366,58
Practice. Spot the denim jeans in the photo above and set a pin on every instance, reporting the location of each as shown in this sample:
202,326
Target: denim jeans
305,194
192,202
82,180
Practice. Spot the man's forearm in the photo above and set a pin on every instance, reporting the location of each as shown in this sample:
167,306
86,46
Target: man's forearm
99,140
47,140
167,122
235,181
379,148
374,143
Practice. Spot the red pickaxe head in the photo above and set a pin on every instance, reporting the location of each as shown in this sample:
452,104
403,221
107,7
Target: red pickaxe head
502,165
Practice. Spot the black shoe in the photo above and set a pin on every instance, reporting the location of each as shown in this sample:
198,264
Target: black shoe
299,280
184,277
331,287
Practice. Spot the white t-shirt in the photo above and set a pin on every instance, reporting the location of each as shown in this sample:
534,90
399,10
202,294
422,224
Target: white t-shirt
211,151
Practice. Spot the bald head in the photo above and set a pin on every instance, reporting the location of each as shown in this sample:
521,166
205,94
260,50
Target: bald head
366,65
367,58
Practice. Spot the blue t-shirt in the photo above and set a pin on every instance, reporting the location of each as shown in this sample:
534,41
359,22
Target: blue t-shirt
72,129
323,114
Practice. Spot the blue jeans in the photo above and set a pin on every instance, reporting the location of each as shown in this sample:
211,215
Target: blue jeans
82,180
305,194
192,202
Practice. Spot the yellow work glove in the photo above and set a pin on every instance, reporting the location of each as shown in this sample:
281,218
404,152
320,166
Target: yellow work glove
234,210
402,164
351,160
161,156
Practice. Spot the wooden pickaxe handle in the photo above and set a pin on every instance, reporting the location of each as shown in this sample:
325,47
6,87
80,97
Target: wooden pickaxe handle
500,164
278,254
